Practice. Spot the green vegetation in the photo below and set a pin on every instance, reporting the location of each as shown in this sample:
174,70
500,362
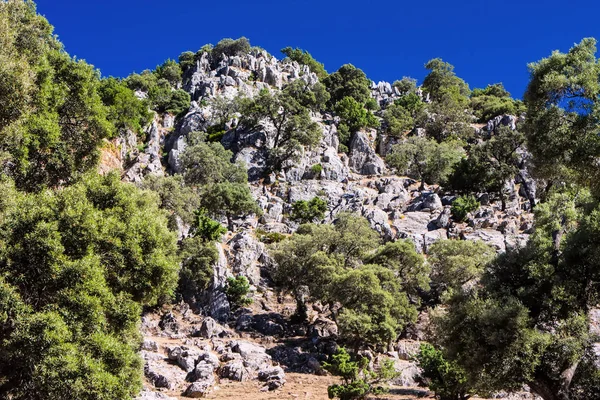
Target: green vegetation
492,101
309,211
357,381
77,265
424,159
303,57
445,378
237,292
462,206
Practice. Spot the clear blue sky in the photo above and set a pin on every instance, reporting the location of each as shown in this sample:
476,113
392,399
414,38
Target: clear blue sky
487,41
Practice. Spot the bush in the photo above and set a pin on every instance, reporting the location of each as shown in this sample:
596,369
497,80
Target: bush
308,211
357,381
445,378
206,228
237,292
316,169
464,205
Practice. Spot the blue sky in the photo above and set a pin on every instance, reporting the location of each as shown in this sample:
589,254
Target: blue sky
486,41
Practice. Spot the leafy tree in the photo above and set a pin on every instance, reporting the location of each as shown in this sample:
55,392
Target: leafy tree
229,199
237,291
186,60
424,159
490,164
125,110
357,381
308,211
293,127
354,115
197,259
445,378
206,163
179,200
455,263
449,115
348,81
562,108
170,71
406,85
227,47
462,206
76,266
409,266
144,81
442,77
528,323
398,120
207,228
303,57
492,101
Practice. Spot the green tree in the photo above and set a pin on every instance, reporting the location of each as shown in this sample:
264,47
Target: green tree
206,163
290,119
445,378
490,164
494,100
348,81
441,76
197,259
237,291
357,381
229,199
179,200
455,263
406,85
169,70
528,323
354,115
462,206
230,47
562,107
424,159
76,266
303,57
125,110
308,211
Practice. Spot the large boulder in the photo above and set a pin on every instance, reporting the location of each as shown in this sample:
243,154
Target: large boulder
363,158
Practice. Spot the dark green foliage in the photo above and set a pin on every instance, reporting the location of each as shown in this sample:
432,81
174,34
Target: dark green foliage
528,324
445,378
492,101
316,170
207,228
269,237
288,112
348,81
230,47
424,159
462,206
125,110
237,292
175,197
455,263
303,57
197,259
404,114
77,264
406,85
229,199
186,60
336,265
561,122
357,381
170,71
206,163
143,81
308,211
178,103
489,164
354,115
442,77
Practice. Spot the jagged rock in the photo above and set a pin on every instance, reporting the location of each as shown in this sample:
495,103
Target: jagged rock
274,377
255,160
198,389
254,357
210,328
489,236
443,220
149,395
157,379
323,328
149,345
407,349
168,322
501,120
408,373
379,222
203,372
209,358
363,158
235,371
245,252
426,201
413,226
